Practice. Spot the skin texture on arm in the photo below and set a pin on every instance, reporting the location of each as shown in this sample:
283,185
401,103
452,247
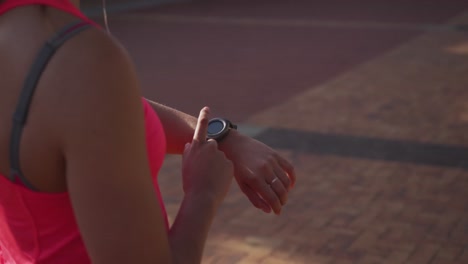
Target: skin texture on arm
108,176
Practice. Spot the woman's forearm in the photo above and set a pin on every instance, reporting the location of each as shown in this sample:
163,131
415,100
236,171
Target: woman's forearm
179,128
190,229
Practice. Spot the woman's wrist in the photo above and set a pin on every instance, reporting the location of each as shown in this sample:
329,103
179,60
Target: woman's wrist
227,144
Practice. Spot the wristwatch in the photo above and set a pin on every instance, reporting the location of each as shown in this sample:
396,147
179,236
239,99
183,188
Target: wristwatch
218,128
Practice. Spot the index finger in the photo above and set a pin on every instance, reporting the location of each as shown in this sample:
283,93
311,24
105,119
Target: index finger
201,129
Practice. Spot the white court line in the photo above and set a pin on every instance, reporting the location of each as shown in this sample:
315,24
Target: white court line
127,6
305,23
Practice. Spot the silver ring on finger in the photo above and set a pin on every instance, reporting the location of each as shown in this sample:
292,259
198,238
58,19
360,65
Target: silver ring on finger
273,181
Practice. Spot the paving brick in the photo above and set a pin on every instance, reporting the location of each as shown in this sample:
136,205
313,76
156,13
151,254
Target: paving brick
464,256
225,257
285,251
274,260
424,253
371,260
400,256
365,240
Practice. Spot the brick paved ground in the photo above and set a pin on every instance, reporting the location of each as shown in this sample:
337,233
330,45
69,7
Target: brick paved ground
400,73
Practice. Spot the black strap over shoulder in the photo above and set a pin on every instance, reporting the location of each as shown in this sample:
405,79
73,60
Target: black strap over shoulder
21,113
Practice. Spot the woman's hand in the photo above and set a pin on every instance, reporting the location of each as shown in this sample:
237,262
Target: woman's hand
206,170
263,175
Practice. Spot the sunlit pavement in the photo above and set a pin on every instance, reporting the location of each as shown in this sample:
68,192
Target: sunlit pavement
368,99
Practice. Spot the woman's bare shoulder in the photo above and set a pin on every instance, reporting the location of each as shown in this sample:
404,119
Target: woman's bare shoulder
92,73
93,57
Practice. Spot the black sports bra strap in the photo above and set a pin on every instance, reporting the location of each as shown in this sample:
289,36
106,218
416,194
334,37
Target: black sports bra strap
21,113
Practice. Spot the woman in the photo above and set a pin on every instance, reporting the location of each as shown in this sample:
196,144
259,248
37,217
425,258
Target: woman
79,163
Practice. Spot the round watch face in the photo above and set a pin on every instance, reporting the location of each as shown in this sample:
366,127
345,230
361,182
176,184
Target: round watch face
216,126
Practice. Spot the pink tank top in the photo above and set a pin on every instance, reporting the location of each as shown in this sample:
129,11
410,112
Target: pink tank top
40,227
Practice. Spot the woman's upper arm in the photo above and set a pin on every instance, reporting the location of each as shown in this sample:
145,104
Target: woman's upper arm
107,169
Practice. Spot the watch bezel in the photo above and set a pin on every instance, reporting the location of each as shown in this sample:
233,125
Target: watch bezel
227,126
